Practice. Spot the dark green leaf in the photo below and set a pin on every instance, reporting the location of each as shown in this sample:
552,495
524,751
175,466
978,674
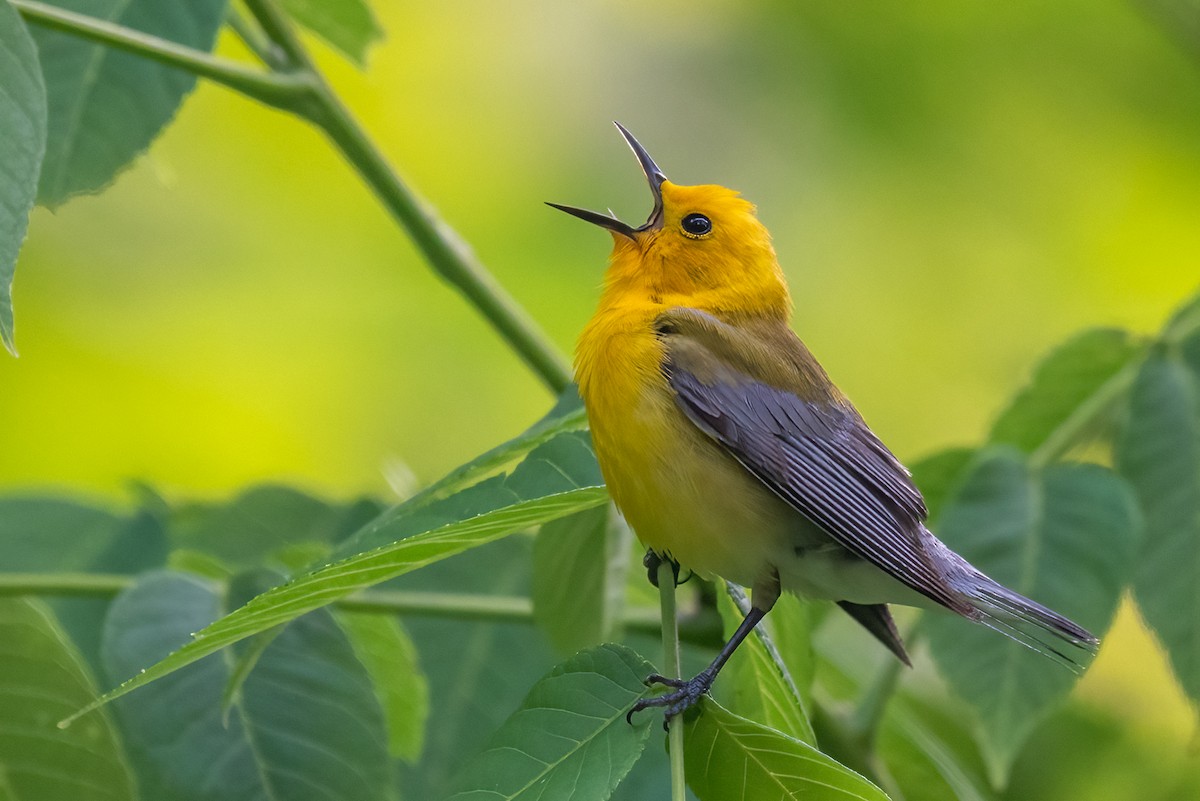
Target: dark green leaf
305,725
559,478
265,522
390,658
23,121
939,475
569,740
753,686
41,678
348,25
105,105
1065,537
729,757
1159,452
1069,385
579,568
49,535
497,661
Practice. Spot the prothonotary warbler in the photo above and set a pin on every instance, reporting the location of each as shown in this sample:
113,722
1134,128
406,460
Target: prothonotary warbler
730,452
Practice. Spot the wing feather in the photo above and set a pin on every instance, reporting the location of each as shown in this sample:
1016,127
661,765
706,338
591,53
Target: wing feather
817,455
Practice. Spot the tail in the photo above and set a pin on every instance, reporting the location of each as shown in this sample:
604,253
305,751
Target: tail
1036,627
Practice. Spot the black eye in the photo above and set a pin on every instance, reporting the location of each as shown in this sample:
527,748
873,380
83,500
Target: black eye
696,225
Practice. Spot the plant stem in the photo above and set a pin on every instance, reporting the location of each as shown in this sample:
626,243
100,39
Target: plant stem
864,725
278,89
303,91
1097,405
672,667
462,606
443,249
254,39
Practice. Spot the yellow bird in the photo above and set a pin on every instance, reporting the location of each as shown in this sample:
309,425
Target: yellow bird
730,452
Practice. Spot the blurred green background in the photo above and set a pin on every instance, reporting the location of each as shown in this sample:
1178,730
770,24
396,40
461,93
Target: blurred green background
953,189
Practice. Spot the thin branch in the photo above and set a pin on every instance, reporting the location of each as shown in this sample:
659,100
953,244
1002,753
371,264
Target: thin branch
277,89
255,40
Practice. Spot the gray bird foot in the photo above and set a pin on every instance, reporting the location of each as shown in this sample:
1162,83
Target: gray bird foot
685,694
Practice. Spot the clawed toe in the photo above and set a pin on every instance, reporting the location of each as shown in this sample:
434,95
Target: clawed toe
685,694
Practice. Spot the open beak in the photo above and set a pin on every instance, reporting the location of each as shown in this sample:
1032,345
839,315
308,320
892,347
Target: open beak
654,176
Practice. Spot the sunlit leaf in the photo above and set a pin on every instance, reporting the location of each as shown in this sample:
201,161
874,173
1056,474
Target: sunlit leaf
348,25
305,724
1069,383
390,658
569,741
753,686
559,478
1065,537
729,757
23,121
1159,452
579,567
41,678
105,105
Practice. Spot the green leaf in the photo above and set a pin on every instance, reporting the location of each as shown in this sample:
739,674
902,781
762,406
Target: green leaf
579,568
348,25
729,757
498,661
41,678
930,755
753,686
22,147
105,105
52,535
264,523
1159,452
1065,537
1185,322
569,740
1078,382
566,416
390,658
558,478
305,725
939,475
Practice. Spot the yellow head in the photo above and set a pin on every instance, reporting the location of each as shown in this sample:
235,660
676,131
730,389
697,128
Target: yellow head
702,247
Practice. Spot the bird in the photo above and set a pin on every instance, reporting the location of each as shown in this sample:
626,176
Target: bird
729,451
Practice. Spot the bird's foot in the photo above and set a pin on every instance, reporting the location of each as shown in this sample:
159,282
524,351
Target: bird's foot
651,561
685,693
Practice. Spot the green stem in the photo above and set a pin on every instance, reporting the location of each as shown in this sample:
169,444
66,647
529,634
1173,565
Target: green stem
672,667
302,90
443,249
277,89
462,606
1077,425
256,42
864,725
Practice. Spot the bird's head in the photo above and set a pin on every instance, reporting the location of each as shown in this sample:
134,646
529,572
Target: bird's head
702,246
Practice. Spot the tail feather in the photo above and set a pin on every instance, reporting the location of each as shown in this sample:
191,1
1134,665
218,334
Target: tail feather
1031,624
1035,626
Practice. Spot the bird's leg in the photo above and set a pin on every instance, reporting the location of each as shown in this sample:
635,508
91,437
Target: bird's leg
688,692
651,561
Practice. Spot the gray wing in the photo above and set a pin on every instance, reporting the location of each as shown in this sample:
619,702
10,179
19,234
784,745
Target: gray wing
822,460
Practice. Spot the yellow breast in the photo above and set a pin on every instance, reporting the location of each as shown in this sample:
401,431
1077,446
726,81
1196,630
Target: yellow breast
680,492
